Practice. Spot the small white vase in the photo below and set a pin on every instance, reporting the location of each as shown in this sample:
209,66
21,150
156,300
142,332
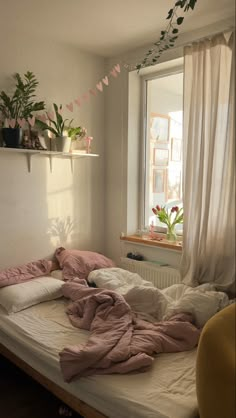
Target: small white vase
63,143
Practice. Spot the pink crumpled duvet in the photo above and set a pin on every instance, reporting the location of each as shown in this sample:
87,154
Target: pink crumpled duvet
25,272
119,342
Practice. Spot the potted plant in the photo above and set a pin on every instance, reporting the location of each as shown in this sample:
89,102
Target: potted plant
76,133
19,107
58,128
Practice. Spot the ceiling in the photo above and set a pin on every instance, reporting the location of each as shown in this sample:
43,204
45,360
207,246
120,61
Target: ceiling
104,27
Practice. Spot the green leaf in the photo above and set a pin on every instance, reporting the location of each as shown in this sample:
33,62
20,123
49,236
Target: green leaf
42,125
55,124
170,13
58,117
180,20
192,4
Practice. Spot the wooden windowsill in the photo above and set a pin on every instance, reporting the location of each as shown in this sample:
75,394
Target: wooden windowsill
156,242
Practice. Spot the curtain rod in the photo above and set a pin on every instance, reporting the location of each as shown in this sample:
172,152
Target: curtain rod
206,37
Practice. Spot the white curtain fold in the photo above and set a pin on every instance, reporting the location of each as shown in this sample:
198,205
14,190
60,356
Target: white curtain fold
209,164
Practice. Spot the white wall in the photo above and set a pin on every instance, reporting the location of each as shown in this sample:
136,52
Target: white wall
42,210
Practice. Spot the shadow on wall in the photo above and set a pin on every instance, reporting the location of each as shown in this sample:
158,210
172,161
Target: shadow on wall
62,231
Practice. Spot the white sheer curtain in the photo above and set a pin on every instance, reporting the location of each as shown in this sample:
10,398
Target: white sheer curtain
209,163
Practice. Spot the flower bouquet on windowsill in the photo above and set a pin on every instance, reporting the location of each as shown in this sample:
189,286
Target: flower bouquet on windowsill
170,217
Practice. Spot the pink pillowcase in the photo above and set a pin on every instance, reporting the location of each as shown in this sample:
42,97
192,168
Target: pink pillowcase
20,274
76,263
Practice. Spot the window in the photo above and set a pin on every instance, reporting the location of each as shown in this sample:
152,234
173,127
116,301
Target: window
163,144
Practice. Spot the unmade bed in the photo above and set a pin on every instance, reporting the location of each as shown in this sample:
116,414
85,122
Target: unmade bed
37,334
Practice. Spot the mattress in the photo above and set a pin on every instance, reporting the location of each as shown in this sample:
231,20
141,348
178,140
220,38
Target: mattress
167,390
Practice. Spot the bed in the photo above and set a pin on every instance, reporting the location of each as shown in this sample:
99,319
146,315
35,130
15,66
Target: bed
33,337
35,328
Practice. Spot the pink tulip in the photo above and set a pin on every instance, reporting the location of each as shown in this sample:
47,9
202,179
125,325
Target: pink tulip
158,207
154,211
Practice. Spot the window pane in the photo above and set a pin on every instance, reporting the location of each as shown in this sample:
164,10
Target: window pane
164,144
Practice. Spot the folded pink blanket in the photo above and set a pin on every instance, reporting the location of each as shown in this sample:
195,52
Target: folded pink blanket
119,341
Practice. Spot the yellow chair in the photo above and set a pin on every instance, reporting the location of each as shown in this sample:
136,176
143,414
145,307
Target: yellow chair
215,369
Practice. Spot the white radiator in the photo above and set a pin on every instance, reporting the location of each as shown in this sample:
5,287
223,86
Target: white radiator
161,277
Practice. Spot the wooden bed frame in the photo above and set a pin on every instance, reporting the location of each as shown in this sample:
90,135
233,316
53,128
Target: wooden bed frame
76,404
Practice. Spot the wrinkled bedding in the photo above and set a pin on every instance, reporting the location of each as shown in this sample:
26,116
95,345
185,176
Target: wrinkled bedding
25,272
153,304
167,389
119,342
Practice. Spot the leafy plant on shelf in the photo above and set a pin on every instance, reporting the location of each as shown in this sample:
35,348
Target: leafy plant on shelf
58,126
77,133
22,103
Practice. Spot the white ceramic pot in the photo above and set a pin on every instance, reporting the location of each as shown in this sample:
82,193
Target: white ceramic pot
63,143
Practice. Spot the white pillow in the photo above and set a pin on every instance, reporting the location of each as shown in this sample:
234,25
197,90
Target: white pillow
57,274
200,301
20,296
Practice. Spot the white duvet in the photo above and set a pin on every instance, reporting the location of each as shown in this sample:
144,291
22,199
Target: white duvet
156,305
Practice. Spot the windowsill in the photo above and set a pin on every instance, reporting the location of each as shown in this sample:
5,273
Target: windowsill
155,242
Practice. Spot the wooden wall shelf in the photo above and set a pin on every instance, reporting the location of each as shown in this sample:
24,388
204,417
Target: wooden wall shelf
29,153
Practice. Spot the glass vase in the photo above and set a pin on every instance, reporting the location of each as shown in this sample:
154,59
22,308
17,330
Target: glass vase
171,234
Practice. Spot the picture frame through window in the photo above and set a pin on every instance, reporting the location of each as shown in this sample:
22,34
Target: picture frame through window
176,149
159,127
160,157
174,184
159,180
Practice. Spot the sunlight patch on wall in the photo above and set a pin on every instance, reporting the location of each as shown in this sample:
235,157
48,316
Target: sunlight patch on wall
60,203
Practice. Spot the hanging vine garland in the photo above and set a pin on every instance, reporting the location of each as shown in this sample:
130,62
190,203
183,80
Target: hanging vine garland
169,35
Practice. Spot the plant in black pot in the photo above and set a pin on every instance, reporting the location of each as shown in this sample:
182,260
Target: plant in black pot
18,108
59,128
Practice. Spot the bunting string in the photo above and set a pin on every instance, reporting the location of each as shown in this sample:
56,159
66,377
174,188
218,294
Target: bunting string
74,104
167,40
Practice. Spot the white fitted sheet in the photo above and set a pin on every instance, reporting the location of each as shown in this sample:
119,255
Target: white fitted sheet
37,334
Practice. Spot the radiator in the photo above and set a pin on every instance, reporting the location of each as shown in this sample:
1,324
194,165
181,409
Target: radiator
161,277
